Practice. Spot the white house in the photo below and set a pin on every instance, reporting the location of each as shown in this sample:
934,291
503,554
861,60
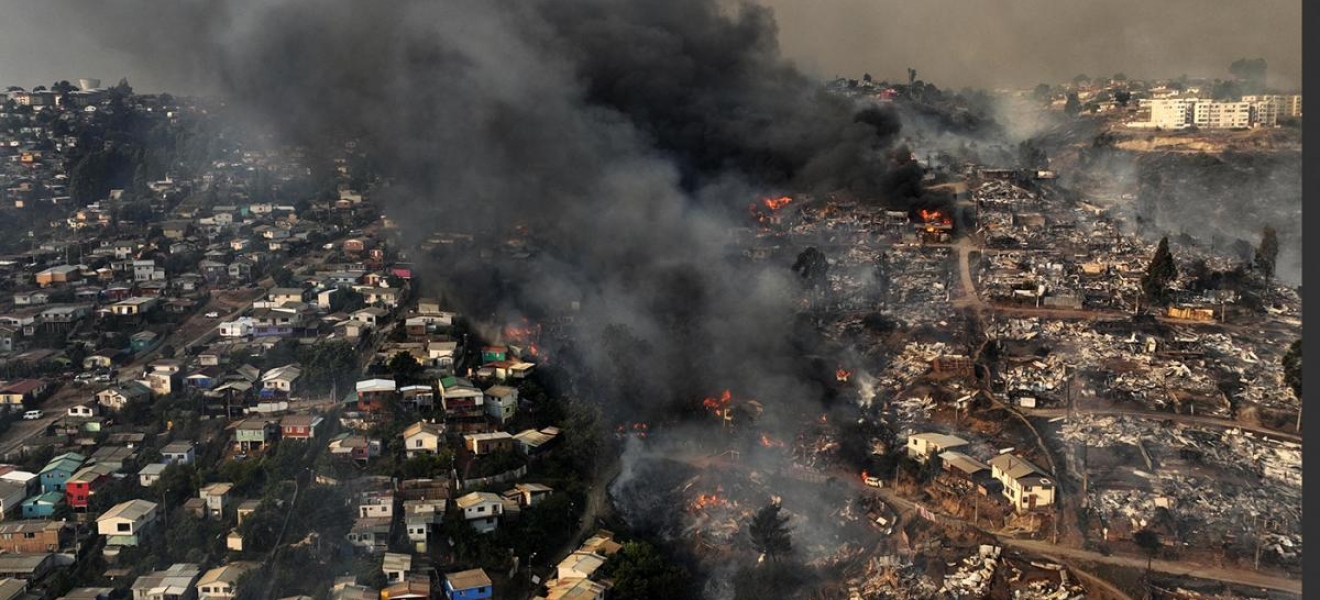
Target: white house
175,583
219,583
422,438
281,379
377,504
1025,486
150,474
922,445
482,510
501,403
125,523
240,327
215,496
181,453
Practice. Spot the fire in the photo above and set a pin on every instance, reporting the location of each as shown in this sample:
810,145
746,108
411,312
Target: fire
842,374
709,501
776,203
718,404
935,216
825,418
638,429
770,442
864,475
523,332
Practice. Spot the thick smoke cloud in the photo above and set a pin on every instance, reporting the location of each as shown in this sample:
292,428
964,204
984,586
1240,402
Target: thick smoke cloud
629,136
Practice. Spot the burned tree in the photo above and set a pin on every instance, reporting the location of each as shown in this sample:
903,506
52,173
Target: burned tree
1149,541
769,532
1161,272
812,266
1292,374
1267,254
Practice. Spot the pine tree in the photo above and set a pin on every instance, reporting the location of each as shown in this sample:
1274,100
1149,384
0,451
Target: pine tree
1267,254
1161,272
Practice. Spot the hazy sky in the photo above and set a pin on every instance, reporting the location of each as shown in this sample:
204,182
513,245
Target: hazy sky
952,43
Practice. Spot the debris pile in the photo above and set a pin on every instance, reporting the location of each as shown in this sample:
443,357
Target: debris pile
972,578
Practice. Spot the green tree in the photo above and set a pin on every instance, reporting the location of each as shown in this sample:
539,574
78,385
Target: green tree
282,275
1123,97
1267,254
1160,273
770,533
640,572
176,484
405,367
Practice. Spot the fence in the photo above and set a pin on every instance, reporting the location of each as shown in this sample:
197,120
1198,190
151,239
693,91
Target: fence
501,478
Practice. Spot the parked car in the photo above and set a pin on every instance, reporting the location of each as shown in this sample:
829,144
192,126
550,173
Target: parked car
874,481
212,315
31,415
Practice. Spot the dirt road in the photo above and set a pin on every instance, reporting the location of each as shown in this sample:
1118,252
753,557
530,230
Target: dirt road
1197,420
1185,569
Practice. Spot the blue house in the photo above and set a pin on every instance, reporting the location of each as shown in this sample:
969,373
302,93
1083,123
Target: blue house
59,470
142,341
472,584
204,378
42,505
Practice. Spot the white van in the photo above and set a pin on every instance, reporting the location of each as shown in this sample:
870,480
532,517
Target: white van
32,415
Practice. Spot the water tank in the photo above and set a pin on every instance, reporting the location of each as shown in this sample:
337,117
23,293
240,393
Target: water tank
89,84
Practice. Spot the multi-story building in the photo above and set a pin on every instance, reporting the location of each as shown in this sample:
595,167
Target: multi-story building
1172,113
1283,105
1221,115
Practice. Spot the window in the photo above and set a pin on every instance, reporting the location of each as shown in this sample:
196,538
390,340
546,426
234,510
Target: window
124,527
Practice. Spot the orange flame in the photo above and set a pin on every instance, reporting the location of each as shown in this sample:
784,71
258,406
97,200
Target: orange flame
522,332
864,475
770,442
842,374
935,216
708,501
718,404
776,203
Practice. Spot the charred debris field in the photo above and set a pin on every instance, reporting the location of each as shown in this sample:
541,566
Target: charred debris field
597,299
